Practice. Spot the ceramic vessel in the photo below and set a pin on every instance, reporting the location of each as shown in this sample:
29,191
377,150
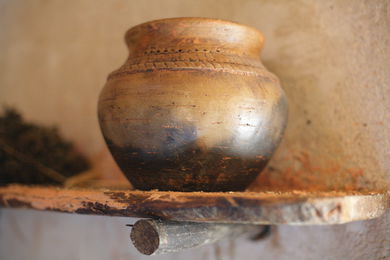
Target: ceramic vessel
192,108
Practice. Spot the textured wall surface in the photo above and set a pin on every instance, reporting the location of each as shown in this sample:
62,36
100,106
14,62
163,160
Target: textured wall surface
333,59
26,234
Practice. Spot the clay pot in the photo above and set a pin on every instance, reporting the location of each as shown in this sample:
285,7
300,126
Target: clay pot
193,108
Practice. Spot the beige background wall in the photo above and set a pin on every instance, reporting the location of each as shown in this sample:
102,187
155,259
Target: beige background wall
333,59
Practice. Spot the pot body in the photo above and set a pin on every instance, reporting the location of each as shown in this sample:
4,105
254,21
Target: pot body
193,108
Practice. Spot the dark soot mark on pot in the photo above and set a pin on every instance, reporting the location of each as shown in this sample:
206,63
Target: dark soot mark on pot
186,167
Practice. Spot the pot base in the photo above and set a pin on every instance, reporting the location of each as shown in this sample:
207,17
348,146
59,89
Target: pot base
191,170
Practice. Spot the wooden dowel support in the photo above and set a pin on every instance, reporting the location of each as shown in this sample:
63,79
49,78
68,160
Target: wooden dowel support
153,237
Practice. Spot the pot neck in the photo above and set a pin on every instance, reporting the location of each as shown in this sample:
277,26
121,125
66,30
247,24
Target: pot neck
185,35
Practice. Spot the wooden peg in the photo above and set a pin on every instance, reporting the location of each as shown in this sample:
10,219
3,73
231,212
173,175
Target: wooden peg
153,237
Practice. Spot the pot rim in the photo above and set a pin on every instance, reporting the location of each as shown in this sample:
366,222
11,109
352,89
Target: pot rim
200,19
189,32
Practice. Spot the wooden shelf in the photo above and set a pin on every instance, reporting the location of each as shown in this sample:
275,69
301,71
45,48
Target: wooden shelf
268,207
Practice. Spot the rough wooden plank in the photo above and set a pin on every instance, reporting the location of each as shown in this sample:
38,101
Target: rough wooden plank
295,207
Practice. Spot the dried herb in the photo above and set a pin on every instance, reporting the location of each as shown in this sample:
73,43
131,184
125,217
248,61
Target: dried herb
34,154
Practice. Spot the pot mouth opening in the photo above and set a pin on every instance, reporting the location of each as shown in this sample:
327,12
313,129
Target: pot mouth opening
194,32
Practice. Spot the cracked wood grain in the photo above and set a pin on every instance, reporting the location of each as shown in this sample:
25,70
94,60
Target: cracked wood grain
295,207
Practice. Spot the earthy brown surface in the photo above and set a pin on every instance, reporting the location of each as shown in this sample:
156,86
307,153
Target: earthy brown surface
193,108
230,207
